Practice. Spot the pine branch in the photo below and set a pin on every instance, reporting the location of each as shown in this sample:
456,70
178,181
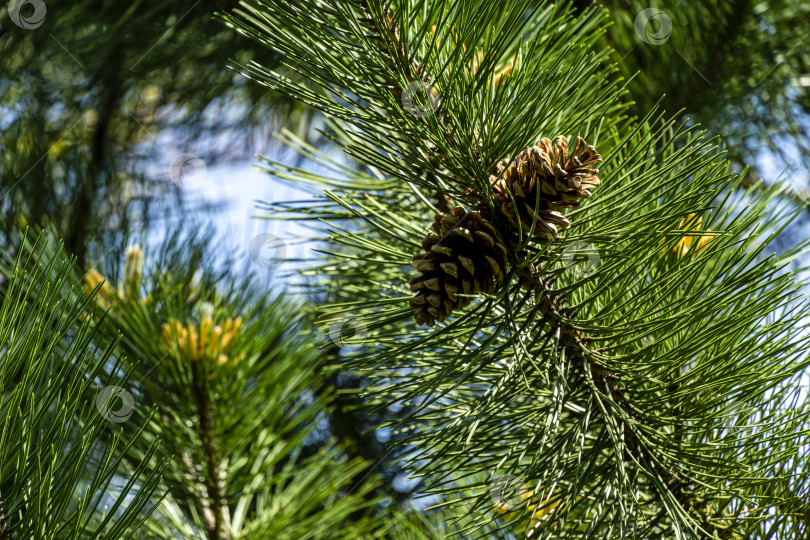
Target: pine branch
347,427
215,509
64,450
398,57
551,306
99,174
396,53
479,382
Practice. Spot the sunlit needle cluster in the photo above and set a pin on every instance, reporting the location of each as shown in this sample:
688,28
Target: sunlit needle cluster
211,342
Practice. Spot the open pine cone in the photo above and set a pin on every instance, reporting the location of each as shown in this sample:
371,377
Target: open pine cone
466,255
545,172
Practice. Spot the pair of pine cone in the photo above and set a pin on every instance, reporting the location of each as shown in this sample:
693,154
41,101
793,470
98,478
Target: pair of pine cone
466,254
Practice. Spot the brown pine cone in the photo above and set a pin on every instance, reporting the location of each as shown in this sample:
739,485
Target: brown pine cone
466,255
545,172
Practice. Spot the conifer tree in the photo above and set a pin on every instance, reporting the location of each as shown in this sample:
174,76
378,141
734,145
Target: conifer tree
234,374
650,393
566,291
172,400
235,380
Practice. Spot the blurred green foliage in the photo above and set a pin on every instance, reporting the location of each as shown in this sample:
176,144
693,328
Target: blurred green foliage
740,68
95,94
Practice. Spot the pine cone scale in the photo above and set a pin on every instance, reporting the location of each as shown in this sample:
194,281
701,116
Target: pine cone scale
467,256
546,172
